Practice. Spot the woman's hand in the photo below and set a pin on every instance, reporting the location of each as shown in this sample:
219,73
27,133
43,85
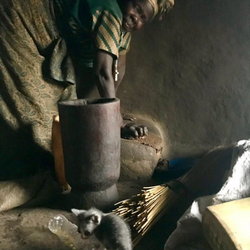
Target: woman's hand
132,131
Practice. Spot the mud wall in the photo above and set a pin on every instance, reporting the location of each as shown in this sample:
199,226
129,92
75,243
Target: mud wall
190,75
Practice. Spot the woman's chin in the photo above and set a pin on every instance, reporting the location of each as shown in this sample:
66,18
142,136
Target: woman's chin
126,27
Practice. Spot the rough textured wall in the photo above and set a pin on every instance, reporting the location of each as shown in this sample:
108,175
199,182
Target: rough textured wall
190,74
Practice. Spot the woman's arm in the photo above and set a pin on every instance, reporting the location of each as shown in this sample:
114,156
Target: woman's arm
104,80
121,70
103,74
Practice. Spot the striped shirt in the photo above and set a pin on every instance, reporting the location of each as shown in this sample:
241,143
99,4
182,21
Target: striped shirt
91,25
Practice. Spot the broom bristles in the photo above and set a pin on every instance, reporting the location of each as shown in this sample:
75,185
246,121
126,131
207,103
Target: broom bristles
143,210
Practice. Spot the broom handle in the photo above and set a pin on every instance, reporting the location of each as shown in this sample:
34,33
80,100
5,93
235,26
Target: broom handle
207,176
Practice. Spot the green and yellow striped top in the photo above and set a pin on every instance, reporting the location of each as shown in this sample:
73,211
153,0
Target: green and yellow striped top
91,25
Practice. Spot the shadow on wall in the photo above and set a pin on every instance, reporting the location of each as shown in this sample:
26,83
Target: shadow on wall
191,73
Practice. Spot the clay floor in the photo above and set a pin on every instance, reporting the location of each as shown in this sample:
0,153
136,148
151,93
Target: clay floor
27,228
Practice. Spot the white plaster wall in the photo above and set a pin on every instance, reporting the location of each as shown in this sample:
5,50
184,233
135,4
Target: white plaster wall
190,74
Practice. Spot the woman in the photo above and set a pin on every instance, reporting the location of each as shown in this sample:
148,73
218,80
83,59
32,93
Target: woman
49,48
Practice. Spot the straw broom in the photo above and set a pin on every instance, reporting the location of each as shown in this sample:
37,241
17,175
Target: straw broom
143,210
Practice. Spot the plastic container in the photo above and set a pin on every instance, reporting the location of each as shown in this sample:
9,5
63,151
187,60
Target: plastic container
68,234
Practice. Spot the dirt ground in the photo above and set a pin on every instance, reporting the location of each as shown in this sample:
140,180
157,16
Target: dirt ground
27,228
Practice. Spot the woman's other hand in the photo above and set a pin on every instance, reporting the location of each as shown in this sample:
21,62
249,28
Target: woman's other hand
132,131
